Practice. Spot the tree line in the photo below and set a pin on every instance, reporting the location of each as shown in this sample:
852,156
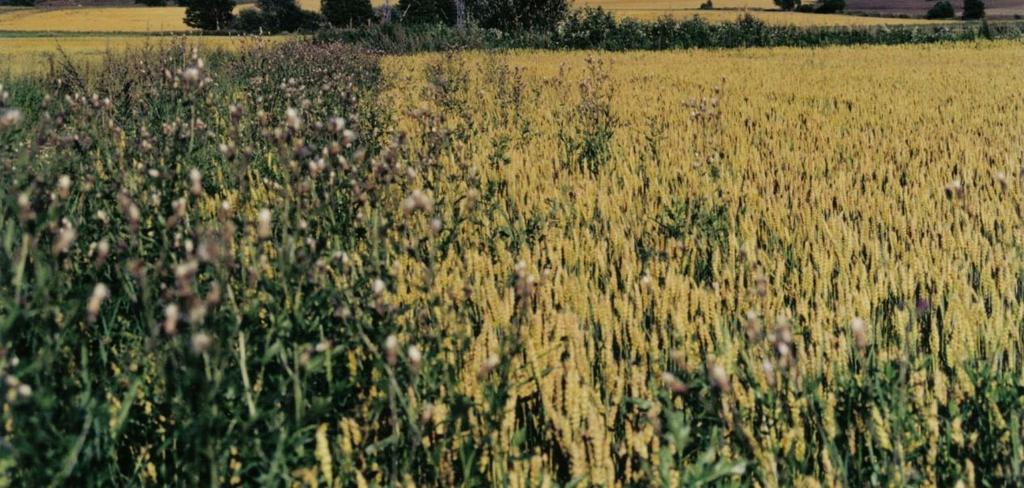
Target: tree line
286,15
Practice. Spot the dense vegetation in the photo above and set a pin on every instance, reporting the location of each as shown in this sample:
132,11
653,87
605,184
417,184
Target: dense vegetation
973,9
598,29
941,10
305,263
514,18
348,13
210,15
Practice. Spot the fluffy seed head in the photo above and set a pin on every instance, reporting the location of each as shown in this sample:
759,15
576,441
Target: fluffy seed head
391,349
64,187
263,224
673,383
378,287
718,377
172,313
10,118
99,294
415,357
417,201
860,332
487,366
201,342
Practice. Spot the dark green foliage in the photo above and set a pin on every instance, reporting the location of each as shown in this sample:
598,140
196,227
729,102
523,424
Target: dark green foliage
152,3
210,14
68,435
586,135
705,227
941,10
250,21
787,4
597,29
427,11
285,16
22,3
973,10
347,12
516,15
831,6
707,5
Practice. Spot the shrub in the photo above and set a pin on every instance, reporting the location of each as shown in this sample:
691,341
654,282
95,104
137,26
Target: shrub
707,5
587,27
831,6
250,21
512,15
787,4
347,12
973,10
387,13
597,29
210,14
941,10
427,11
285,16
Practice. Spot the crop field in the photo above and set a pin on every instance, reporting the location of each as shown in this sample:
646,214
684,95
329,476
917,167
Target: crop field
728,10
105,19
33,55
98,19
302,264
169,19
994,9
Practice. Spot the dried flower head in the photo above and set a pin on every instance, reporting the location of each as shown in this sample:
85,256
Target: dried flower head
955,189
201,342
860,332
64,187
10,118
718,377
378,287
427,414
391,349
752,325
488,365
191,75
417,201
292,119
673,383
66,236
415,356
171,316
99,294
264,230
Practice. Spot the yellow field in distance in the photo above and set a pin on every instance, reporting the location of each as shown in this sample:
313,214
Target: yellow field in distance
30,55
169,19
731,9
105,19
99,19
